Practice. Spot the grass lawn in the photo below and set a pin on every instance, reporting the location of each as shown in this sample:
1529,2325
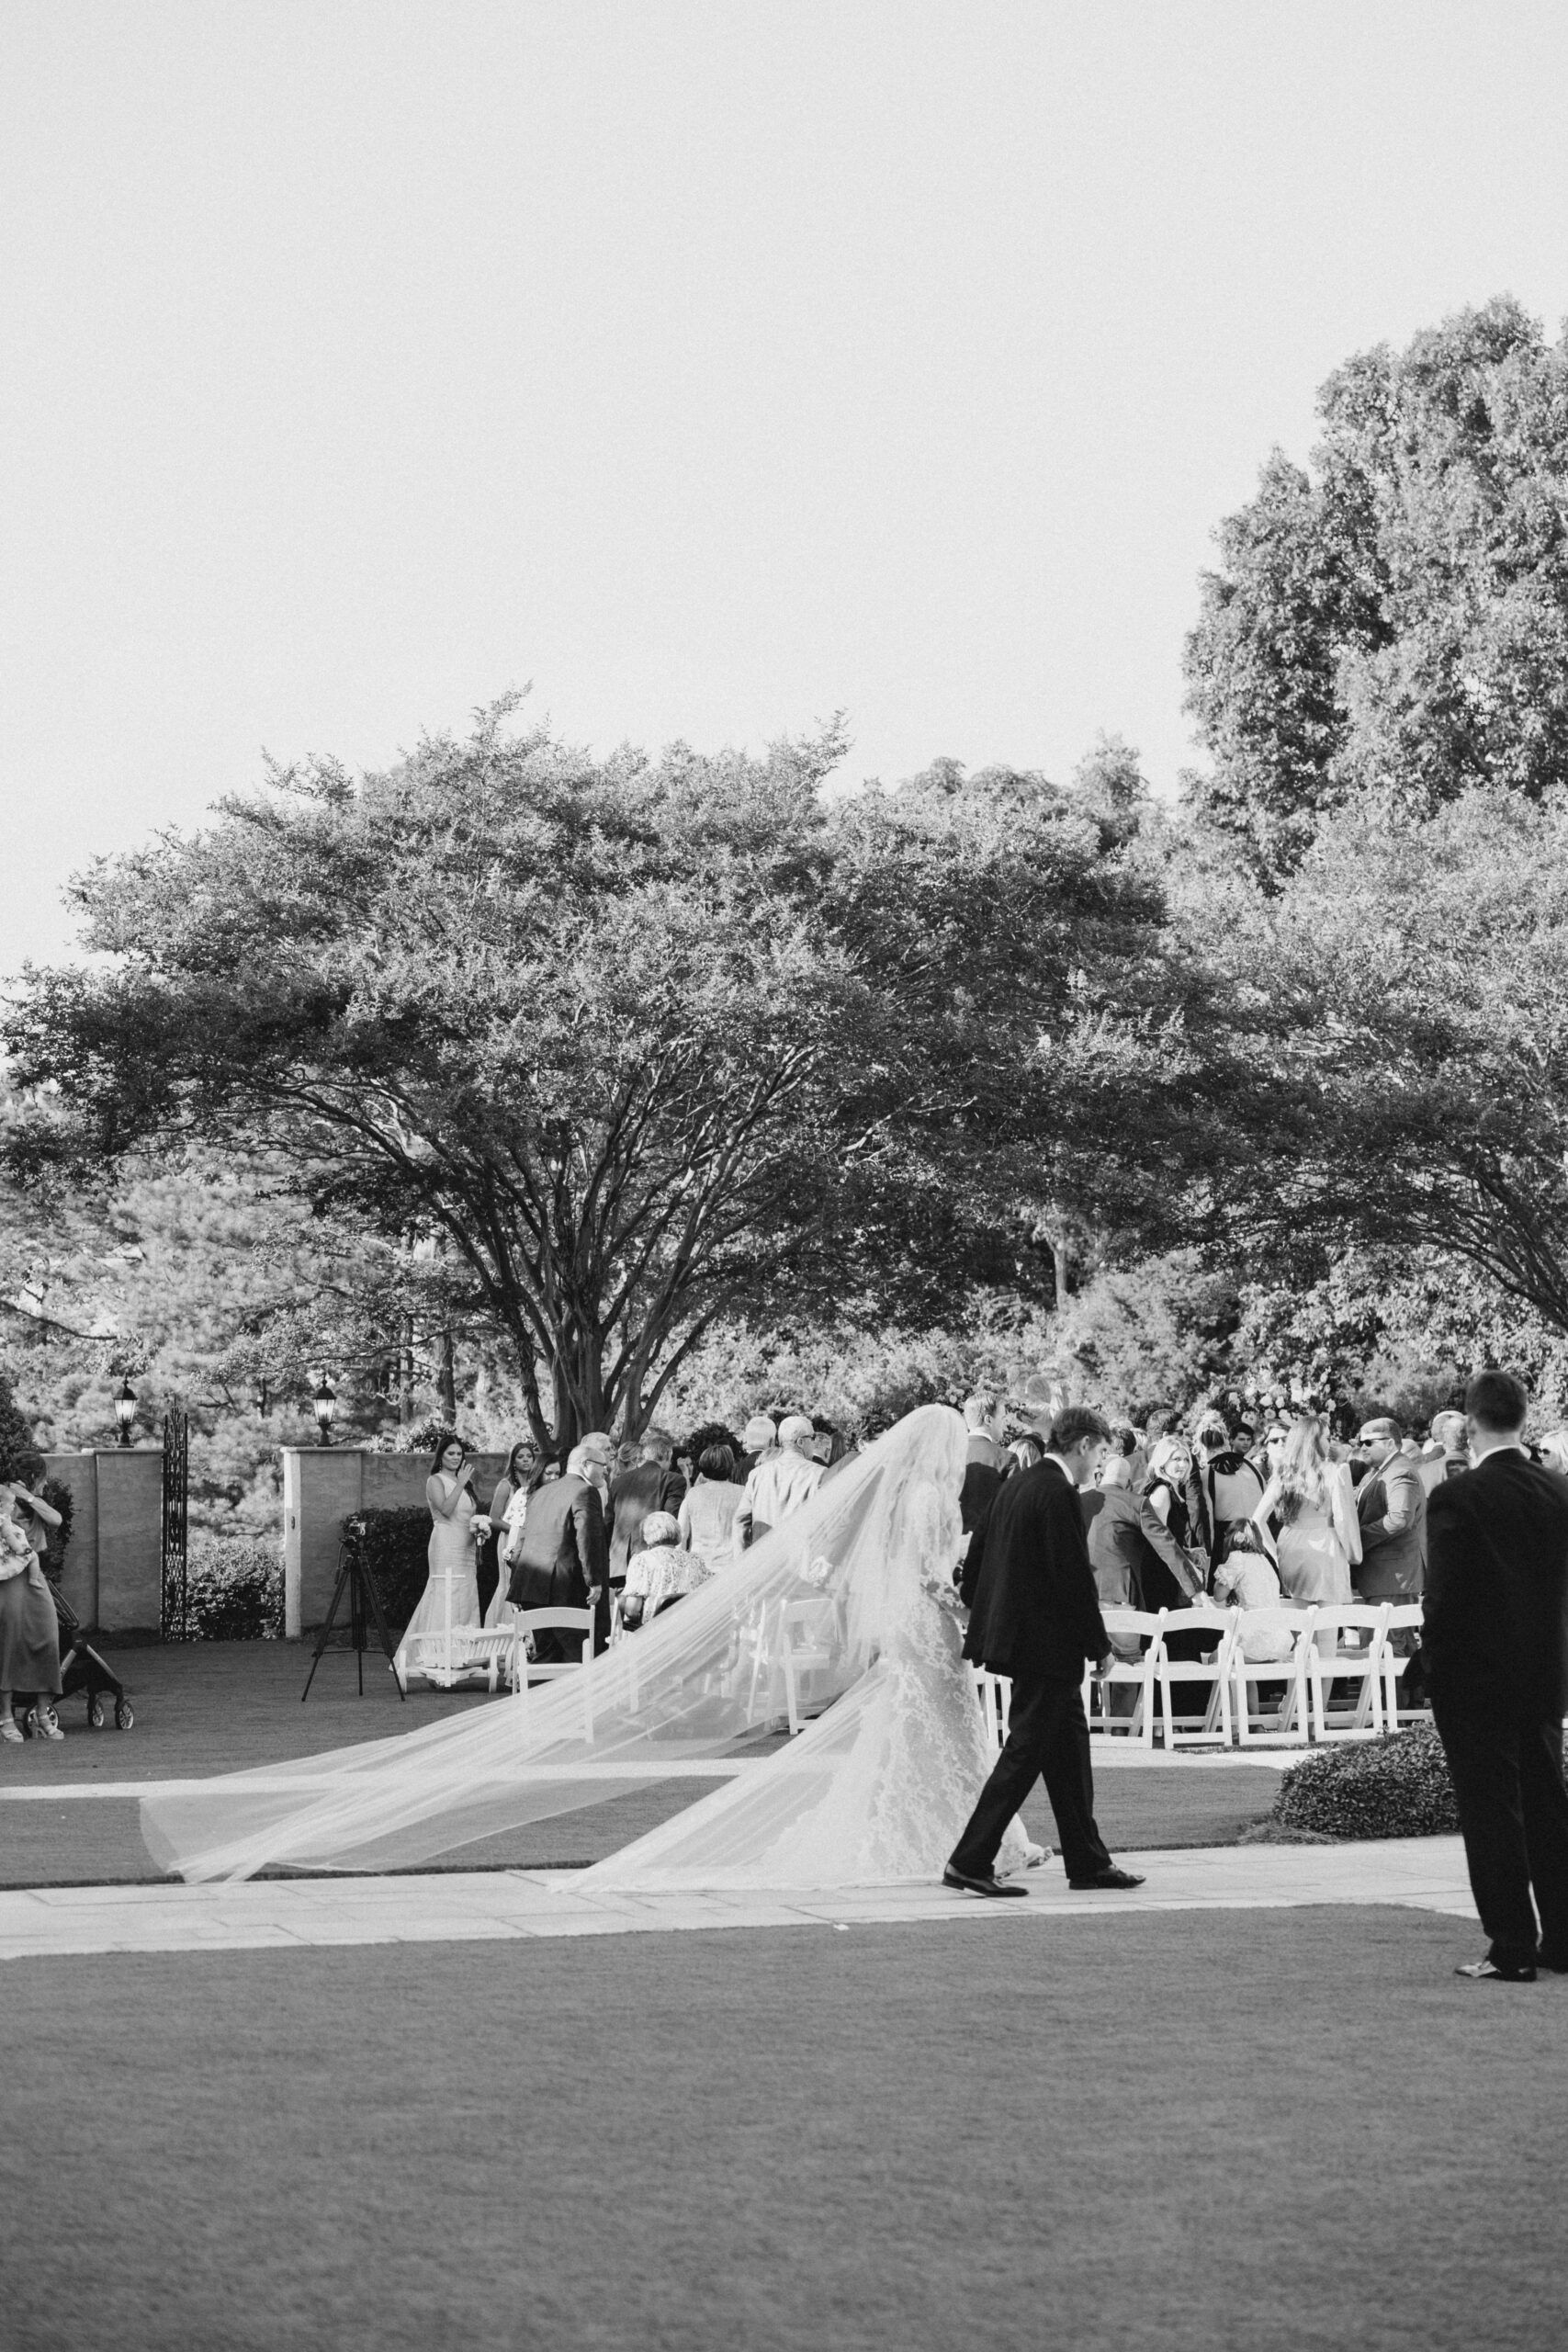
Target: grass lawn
1264,2131
221,1706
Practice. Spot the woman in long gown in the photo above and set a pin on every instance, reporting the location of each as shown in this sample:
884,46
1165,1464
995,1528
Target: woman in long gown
1319,1539
524,1472
29,1630
451,1595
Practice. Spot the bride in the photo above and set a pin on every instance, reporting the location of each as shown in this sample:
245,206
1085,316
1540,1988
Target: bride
848,1607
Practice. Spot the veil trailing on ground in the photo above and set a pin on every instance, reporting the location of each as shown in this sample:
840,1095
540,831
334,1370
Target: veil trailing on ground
842,1598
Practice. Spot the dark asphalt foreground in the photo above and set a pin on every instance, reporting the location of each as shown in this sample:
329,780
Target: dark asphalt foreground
1266,2130
220,1707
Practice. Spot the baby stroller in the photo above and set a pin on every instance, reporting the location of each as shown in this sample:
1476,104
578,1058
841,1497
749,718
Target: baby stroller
81,1669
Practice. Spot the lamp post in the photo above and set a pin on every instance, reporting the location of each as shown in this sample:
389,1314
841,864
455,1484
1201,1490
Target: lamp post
324,1404
125,1411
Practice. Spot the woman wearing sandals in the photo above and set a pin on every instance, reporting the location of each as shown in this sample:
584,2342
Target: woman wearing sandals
29,1630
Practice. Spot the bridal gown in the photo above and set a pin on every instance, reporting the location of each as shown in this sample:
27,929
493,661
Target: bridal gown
851,1597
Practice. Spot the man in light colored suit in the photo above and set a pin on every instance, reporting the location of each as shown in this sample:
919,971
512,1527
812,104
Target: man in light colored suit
1390,1503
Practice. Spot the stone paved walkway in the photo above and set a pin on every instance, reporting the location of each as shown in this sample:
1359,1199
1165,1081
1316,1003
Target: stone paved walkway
1427,1874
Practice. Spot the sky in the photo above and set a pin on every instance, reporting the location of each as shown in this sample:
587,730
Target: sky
711,368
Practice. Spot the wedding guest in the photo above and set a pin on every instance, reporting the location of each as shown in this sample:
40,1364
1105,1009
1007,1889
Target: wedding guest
706,1517
984,1462
1319,1538
782,1483
451,1595
561,1552
653,1484
524,1472
1137,1563
1034,1616
1554,1452
1449,1455
759,1439
1245,1578
1165,1488
1224,1490
1493,1648
661,1573
1390,1503
1025,1453
30,1630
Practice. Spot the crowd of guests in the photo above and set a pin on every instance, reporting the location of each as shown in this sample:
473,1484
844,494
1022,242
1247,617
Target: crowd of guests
1262,1514
624,1530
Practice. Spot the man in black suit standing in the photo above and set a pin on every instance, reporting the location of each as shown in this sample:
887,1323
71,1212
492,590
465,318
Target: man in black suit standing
562,1556
1034,1615
1492,1642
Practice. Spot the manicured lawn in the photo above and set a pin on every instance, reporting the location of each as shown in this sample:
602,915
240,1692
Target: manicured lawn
1267,2130
217,1707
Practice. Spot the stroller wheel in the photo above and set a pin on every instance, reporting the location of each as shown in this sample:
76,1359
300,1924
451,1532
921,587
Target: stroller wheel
95,1713
124,1714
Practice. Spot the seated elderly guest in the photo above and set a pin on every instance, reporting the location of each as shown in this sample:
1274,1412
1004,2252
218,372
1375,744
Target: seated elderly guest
662,1572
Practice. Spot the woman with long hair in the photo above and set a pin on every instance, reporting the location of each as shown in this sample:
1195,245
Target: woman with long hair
1312,1499
451,1595
524,1472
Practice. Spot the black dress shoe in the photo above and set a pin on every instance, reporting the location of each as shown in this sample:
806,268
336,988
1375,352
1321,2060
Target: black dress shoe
1112,1877
964,1884
1488,1972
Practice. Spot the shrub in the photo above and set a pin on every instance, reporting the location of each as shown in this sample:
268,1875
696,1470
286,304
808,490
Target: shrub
394,1547
54,1490
1396,1787
235,1590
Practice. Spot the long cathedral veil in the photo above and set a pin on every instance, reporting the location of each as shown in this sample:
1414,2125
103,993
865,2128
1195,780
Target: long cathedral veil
839,1587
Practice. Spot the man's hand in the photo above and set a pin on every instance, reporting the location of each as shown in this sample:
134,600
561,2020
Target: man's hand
1106,1663
595,1595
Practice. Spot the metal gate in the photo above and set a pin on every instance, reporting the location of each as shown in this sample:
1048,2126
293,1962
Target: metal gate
176,1517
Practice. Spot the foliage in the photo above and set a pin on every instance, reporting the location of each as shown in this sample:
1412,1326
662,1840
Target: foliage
1394,1787
20,1455
235,1590
1407,1001
393,1546
59,1497
1396,621
627,1048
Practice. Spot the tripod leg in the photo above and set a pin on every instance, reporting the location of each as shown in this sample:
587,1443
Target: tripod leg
384,1631
345,1569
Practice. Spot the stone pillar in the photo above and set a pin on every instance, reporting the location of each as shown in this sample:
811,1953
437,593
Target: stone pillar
131,1539
79,1583
321,1487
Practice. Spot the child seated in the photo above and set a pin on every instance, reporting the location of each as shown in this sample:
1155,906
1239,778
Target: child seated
660,1572
1246,1578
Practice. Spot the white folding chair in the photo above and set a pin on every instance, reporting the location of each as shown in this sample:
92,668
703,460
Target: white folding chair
995,1694
1288,1631
808,1640
1403,1617
1331,1660
526,1670
1127,1627
1190,1729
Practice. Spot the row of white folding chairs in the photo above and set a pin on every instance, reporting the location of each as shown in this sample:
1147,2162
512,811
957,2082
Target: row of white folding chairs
500,1653
1220,1696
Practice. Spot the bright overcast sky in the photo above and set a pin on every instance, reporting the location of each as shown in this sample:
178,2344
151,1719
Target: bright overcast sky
711,366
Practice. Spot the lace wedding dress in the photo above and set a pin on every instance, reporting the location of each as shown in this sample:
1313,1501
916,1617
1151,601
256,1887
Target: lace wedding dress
850,1600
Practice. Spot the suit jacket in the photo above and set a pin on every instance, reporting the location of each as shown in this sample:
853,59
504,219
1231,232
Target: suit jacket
983,1477
1028,1583
1391,1504
1496,1603
563,1552
1138,1562
649,1486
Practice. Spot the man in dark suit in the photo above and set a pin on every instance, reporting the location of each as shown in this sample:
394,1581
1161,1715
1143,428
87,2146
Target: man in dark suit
1497,1609
1390,1503
1036,1617
654,1485
984,1462
561,1556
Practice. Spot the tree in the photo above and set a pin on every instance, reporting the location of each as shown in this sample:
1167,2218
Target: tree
1395,623
632,1046
1407,1002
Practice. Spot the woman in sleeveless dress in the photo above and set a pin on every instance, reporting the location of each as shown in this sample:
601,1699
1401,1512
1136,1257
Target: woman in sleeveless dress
451,1595
1319,1539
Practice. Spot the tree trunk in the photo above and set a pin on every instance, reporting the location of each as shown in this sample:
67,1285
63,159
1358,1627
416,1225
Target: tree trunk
405,1374
446,1377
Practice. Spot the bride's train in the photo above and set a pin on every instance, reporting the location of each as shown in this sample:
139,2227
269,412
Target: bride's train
876,1788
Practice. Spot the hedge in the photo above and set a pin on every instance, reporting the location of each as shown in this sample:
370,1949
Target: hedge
233,1590
394,1547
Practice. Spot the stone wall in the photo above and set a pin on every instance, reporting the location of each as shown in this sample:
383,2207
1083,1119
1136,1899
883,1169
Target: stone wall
322,1486
113,1574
